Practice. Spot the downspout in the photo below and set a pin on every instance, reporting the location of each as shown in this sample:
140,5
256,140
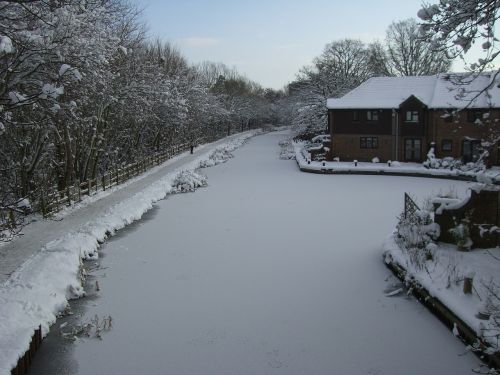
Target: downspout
397,135
395,120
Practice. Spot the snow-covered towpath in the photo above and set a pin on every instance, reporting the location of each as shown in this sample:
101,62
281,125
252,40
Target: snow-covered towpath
38,234
266,271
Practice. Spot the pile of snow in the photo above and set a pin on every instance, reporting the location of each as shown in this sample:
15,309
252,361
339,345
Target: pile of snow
40,289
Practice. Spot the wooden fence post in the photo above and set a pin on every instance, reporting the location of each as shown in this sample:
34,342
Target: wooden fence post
89,184
79,186
468,285
104,182
12,219
43,204
68,194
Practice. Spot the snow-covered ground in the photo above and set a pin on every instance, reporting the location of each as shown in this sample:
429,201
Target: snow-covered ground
397,168
45,262
266,271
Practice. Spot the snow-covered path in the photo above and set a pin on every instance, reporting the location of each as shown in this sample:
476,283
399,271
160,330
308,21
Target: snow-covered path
266,271
39,233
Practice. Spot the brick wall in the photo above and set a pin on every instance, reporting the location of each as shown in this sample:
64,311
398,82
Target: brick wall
347,147
460,129
482,212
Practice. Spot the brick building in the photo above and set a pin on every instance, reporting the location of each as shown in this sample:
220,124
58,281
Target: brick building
400,118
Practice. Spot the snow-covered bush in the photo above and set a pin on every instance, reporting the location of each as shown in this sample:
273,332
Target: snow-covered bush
287,150
187,181
375,160
432,162
316,149
415,235
461,235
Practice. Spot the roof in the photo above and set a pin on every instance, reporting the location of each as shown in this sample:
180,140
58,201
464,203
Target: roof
437,91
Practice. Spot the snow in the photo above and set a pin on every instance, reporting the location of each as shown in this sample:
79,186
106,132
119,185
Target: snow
16,97
6,46
436,92
267,270
321,138
67,70
51,91
40,288
395,167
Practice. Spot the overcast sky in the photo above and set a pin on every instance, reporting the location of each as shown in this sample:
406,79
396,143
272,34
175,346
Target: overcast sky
268,40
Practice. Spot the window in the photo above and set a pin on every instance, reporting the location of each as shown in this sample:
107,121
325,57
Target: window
372,115
355,115
471,150
473,115
413,149
411,116
368,142
446,145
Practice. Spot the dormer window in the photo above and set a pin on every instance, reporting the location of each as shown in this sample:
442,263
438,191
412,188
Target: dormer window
411,116
372,115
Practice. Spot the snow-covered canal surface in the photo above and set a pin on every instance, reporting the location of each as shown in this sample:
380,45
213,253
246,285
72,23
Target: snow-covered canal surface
267,271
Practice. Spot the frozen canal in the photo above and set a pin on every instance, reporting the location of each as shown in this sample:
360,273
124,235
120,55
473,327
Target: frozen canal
266,271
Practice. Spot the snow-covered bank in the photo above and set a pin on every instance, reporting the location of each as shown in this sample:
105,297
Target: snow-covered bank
442,275
394,168
41,287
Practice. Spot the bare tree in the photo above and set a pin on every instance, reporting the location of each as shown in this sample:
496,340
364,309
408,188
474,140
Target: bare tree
409,55
342,66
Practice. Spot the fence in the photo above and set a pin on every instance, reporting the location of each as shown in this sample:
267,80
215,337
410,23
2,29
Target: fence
53,200
24,362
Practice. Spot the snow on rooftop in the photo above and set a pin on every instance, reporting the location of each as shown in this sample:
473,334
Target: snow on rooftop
437,91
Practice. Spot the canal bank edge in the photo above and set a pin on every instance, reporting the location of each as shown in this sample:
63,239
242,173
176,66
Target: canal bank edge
443,313
401,169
